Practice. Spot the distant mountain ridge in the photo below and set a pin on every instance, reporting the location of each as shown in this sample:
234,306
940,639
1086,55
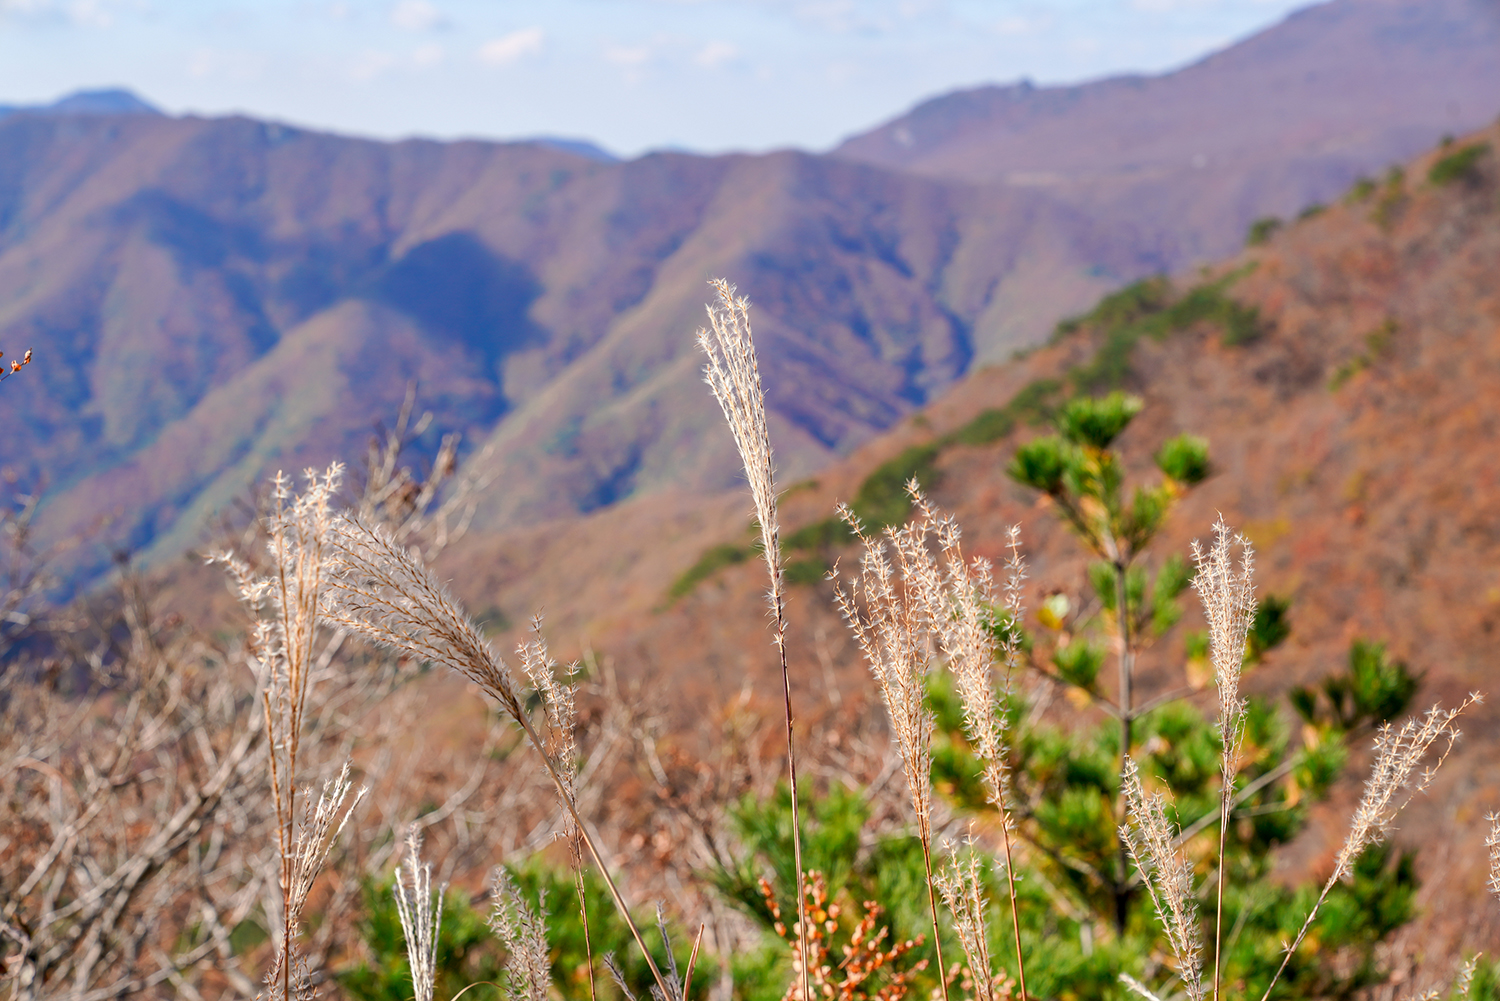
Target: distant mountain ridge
1267,126
211,299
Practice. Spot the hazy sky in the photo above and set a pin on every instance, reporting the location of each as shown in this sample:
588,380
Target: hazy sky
630,74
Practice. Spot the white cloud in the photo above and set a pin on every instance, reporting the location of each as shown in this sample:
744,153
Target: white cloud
509,48
79,13
223,64
716,54
1169,6
628,56
25,7
1017,25
417,15
370,64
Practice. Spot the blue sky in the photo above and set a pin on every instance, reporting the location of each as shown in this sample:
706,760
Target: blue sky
633,75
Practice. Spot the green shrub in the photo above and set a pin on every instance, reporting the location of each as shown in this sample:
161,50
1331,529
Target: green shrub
805,571
714,559
882,499
1261,230
818,536
1462,165
1184,458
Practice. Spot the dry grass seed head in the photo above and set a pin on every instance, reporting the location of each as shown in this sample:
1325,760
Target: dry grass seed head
1463,985
1398,753
320,829
733,374
894,632
524,933
1492,842
421,916
1228,595
1149,837
382,591
961,882
558,704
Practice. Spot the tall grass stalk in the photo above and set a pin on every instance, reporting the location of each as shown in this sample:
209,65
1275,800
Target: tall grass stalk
733,374
301,530
1228,595
895,629
962,607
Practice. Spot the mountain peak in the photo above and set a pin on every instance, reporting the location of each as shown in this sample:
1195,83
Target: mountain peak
104,101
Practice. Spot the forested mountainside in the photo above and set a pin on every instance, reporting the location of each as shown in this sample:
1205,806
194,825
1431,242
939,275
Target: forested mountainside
212,299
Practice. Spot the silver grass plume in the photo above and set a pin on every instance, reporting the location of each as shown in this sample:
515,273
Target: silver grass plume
1149,837
1463,984
1138,988
894,631
383,591
1492,842
733,374
421,917
558,708
287,601
1228,596
1394,780
524,932
289,977
961,882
